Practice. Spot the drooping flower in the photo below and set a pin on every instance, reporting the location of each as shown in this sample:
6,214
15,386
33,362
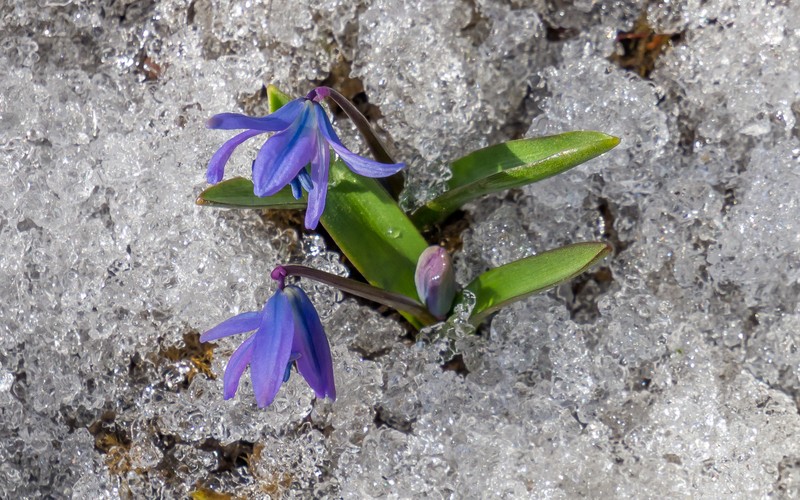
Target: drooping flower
288,330
435,280
304,137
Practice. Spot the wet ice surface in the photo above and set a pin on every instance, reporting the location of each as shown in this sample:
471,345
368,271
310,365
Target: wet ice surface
671,372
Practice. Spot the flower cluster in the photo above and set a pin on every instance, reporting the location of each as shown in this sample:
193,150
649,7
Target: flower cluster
288,331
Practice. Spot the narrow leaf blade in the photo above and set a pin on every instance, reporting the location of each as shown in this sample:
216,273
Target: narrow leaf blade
512,164
512,154
238,193
373,232
512,282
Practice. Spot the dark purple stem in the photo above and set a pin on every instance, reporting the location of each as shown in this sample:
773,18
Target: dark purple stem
362,124
363,290
393,183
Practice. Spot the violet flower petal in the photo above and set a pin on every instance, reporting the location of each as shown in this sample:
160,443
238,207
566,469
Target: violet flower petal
297,189
272,347
285,154
315,363
320,166
273,122
305,179
233,372
358,164
245,322
216,165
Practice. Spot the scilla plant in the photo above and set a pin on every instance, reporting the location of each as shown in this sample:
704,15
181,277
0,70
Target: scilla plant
384,243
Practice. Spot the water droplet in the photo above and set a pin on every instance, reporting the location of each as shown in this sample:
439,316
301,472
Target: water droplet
393,233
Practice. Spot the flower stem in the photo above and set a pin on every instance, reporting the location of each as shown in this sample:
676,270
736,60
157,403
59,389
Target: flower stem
363,290
393,183
373,142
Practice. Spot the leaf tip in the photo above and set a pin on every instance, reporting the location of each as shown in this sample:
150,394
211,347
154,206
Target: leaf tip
607,141
275,98
603,249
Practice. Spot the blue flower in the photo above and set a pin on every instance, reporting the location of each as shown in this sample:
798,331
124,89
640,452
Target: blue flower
304,137
288,330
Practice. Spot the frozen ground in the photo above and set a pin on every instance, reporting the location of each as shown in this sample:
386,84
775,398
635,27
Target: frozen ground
674,371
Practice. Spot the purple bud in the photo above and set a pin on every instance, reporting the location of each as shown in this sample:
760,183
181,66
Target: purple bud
279,274
435,280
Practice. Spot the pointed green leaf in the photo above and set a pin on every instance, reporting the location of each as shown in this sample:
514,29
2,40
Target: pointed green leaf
512,164
578,145
276,99
373,232
506,284
238,193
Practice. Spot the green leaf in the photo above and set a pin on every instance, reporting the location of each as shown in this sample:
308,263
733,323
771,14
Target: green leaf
582,145
276,99
512,164
512,282
373,232
238,193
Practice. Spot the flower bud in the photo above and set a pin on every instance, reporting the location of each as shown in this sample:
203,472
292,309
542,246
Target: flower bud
435,280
